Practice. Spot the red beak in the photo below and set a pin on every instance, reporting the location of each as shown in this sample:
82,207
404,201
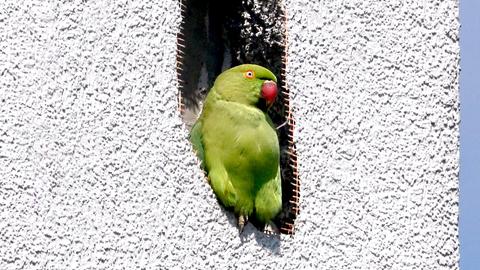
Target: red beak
269,92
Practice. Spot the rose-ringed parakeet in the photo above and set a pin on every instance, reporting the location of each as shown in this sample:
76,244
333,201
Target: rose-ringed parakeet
237,143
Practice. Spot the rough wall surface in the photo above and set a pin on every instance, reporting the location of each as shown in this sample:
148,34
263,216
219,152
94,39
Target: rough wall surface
96,172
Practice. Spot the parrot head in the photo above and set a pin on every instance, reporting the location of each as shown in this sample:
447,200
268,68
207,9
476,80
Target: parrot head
248,84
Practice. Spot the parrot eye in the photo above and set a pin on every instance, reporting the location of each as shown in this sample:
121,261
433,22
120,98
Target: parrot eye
249,74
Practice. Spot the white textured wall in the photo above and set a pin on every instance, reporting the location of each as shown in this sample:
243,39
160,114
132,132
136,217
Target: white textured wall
96,171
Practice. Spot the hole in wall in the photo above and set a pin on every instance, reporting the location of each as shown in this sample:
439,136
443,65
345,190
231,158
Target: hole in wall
215,35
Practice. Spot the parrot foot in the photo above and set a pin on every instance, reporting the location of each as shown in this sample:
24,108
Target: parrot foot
271,228
242,221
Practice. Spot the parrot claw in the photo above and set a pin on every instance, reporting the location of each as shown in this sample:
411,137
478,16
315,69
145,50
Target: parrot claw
271,228
242,221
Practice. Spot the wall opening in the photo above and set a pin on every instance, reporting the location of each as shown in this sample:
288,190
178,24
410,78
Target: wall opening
215,35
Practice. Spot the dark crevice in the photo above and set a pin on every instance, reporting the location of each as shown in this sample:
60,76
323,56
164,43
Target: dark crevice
216,35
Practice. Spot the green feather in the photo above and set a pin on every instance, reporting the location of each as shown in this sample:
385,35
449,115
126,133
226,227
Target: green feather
196,140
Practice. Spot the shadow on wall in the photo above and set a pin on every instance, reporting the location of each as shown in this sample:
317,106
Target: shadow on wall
270,242
216,35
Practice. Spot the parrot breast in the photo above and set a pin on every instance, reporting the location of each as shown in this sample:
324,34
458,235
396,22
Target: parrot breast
246,141
256,152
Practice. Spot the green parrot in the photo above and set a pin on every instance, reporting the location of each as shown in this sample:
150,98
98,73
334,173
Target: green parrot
237,143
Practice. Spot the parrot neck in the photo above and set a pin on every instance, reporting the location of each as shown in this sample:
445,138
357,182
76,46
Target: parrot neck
230,95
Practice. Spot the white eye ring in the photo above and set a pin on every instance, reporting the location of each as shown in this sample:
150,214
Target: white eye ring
249,74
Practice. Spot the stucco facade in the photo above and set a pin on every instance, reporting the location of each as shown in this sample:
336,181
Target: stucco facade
96,170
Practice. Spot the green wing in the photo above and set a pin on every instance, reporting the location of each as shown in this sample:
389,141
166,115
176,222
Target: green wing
196,140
